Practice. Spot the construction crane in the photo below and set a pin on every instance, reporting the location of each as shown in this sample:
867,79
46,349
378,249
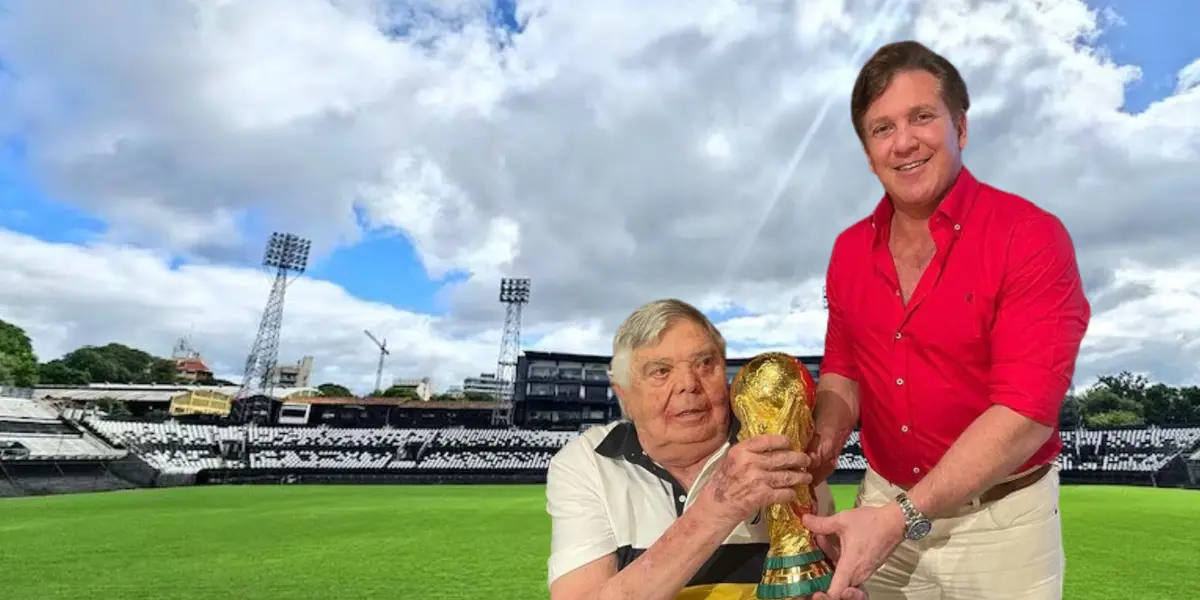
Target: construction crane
383,351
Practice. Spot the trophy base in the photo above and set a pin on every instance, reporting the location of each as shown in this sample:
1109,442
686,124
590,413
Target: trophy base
795,577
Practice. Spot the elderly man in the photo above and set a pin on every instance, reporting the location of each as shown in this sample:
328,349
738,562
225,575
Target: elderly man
664,505
955,317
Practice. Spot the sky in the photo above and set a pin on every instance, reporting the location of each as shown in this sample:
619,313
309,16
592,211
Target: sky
613,152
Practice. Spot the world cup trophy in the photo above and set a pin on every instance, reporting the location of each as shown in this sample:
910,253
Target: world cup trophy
774,394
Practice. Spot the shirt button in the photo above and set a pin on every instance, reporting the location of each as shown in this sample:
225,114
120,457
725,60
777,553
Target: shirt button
898,335
904,428
899,381
957,227
916,469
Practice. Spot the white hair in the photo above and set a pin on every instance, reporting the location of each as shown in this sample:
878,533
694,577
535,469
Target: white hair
645,327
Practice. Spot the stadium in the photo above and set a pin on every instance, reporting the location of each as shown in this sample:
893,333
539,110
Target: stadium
334,497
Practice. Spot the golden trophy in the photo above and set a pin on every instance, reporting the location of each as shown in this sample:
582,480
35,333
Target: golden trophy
774,394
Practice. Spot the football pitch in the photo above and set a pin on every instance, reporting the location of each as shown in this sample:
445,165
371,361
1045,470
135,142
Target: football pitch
443,542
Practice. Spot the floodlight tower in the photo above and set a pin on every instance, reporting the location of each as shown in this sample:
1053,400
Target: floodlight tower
286,254
514,294
383,351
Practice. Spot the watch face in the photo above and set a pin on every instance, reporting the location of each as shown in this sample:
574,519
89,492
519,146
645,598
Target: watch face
919,529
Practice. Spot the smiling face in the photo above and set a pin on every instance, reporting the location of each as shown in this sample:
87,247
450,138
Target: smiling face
677,392
913,143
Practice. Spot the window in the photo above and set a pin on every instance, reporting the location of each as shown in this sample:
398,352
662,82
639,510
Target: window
570,371
540,389
542,370
569,392
595,373
595,393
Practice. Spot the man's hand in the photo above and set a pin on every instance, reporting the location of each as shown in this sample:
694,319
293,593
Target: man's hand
834,415
757,472
823,451
868,535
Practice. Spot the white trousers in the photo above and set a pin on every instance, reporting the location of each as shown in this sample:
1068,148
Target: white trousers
1009,549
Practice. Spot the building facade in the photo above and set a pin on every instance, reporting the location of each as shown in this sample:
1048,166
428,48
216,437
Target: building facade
421,387
556,390
486,384
296,375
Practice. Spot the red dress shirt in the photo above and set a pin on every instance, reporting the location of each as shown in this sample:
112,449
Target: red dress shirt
997,318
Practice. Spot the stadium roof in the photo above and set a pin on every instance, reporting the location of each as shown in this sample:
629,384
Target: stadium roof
350,400
450,405
150,392
585,358
91,395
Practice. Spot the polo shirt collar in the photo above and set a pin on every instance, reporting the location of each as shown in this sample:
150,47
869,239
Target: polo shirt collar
622,441
952,210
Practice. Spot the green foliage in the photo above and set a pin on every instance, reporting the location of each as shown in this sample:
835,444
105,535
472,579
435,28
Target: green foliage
334,390
1125,400
397,391
18,363
111,363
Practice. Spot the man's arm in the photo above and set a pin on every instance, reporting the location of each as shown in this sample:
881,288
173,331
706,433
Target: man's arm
836,407
583,563
1041,319
658,574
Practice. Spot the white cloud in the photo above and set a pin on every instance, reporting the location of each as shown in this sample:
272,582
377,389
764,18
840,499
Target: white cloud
1189,77
66,296
614,152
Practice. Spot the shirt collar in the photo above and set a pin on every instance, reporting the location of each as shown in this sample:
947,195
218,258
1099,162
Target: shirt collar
622,441
951,211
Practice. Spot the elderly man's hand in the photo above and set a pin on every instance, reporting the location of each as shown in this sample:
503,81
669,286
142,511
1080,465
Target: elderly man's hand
757,472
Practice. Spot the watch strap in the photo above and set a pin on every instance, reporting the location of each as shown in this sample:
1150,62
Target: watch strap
911,514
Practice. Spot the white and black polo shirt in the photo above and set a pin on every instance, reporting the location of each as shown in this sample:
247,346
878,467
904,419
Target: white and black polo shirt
605,496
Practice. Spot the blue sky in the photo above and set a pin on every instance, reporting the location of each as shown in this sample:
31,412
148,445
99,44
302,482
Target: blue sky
1140,41
26,207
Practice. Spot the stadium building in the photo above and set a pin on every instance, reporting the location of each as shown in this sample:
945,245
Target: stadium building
55,440
561,391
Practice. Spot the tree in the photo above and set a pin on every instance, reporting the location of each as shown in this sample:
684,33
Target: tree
118,363
56,372
1127,385
334,390
1069,415
478,397
1159,402
1102,407
400,391
1126,399
18,363
1187,405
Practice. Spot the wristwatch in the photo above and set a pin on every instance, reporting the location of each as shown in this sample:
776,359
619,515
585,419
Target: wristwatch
916,525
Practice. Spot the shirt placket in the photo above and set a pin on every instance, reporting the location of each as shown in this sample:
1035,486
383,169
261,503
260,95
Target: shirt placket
944,236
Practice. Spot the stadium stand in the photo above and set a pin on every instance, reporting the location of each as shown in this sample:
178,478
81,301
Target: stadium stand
1113,456
41,453
43,450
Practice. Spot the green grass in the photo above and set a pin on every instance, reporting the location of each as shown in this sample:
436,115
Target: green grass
443,542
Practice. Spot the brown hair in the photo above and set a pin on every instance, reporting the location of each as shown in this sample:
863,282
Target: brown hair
900,57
